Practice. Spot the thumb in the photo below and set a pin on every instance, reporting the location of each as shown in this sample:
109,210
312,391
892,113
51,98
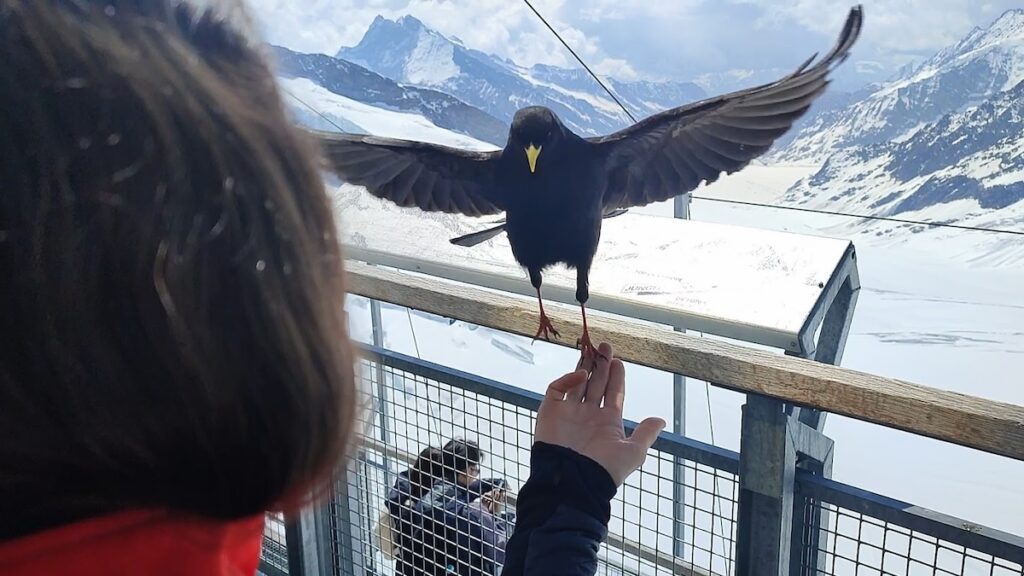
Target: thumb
647,432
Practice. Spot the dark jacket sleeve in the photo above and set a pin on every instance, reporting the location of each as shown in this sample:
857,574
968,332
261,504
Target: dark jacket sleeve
561,515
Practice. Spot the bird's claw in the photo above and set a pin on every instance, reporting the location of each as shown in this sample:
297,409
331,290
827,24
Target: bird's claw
546,329
587,348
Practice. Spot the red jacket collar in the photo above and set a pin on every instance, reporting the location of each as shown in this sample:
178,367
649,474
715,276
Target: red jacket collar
139,542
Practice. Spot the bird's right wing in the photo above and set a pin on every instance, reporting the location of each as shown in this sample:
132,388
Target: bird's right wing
432,177
672,152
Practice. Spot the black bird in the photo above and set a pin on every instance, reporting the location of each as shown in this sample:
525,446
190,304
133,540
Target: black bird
555,186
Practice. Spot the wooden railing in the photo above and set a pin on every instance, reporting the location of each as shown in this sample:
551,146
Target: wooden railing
987,425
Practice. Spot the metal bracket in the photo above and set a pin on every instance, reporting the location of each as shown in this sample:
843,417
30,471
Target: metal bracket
834,316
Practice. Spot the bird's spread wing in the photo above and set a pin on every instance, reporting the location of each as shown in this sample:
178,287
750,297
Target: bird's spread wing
431,177
672,152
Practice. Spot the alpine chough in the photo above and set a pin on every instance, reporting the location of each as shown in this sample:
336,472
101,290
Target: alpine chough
555,186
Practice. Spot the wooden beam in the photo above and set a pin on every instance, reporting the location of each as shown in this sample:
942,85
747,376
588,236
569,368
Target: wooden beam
987,425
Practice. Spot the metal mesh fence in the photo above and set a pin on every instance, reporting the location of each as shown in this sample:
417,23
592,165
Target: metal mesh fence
852,542
412,412
856,544
274,553
676,515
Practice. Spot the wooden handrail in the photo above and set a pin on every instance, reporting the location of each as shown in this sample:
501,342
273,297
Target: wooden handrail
987,425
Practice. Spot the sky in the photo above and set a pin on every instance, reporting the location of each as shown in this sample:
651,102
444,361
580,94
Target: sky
629,39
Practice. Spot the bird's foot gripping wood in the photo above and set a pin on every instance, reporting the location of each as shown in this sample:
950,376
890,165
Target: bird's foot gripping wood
546,328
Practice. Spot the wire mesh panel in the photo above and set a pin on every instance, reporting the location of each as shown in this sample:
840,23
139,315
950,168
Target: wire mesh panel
274,553
864,534
839,530
415,410
855,544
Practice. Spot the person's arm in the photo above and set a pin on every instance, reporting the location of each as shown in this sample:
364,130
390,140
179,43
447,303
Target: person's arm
485,540
562,514
580,456
479,487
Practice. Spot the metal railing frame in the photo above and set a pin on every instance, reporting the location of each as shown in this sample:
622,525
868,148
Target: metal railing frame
782,466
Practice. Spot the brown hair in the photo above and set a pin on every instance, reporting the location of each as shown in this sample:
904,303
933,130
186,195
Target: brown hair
173,332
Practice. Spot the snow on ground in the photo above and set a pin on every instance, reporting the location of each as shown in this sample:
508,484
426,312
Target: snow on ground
920,317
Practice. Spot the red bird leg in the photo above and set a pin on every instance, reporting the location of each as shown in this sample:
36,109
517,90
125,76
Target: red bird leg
585,343
587,347
545,329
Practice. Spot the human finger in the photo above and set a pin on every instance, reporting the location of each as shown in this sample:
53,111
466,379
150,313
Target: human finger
598,382
560,387
586,366
615,393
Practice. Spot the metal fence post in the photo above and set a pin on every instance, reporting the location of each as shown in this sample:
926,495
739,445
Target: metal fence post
679,465
381,401
810,520
778,532
293,543
681,210
309,543
350,529
767,469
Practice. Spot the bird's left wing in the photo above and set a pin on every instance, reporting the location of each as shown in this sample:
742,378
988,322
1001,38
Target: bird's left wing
672,152
432,177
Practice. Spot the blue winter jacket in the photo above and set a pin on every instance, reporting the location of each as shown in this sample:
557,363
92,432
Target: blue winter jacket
561,516
459,536
409,559
561,519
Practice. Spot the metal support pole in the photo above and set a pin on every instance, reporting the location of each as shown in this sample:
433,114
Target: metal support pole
681,206
681,210
293,542
810,521
767,469
381,403
351,530
309,541
678,487
772,520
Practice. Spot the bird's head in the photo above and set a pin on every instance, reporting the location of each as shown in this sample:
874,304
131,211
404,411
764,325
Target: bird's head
534,129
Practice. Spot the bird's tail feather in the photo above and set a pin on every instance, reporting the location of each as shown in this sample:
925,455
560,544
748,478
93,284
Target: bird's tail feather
478,237
474,238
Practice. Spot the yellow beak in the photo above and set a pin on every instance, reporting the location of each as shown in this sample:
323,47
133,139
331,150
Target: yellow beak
532,153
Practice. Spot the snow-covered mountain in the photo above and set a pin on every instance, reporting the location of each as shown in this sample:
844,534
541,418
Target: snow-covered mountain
335,111
943,141
355,83
967,167
983,64
410,53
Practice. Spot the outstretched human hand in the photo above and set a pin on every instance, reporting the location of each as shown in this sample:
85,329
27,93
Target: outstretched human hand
585,415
